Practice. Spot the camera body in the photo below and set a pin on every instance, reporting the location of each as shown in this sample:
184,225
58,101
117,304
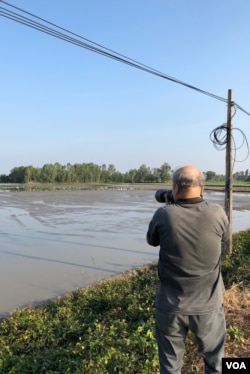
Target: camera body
161,195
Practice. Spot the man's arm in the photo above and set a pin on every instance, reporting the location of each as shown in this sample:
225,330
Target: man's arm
152,234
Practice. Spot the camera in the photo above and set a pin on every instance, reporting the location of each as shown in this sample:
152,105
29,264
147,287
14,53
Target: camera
161,195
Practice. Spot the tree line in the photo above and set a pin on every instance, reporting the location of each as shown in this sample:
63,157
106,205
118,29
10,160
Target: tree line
86,173
93,173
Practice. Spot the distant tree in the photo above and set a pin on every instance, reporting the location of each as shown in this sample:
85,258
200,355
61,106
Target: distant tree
48,173
156,175
60,173
165,170
143,174
92,173
239,176
220,177
210,175
131,175
17,174
77,173
111,169
4,178
104,167
28,174
35,174
117,177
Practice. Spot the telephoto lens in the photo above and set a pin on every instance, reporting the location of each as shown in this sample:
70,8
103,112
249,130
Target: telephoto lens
161,195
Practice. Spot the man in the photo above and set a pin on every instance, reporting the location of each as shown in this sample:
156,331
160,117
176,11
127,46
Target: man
189,231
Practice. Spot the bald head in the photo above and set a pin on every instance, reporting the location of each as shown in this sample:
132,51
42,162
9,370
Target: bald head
188,182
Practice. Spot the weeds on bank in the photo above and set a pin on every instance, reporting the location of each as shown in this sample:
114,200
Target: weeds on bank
235,334
104,329
109,328
236,267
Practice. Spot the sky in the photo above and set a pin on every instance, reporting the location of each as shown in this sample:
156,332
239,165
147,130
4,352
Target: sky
62,103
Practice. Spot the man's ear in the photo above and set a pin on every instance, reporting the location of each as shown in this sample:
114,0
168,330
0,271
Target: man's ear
175,188
202,190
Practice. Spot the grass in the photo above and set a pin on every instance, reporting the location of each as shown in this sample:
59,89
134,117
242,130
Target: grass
109,327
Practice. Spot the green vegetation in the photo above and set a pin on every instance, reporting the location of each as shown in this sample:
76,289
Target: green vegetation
236,268
237,185
101,329
85,173
92,173
109,327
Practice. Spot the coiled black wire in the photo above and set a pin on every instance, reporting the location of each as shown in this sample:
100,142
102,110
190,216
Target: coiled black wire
219,138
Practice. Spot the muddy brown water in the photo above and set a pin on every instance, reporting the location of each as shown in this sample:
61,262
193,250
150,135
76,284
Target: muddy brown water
56,242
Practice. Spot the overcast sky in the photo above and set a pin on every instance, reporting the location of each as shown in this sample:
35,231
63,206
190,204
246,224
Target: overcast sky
63,103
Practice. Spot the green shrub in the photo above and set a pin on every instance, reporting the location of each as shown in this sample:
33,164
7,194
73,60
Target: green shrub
236,267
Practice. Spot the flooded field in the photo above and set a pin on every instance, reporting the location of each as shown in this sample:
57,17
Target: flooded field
55,242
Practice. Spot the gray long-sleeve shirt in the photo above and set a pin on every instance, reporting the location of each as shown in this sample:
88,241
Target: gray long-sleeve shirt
189,233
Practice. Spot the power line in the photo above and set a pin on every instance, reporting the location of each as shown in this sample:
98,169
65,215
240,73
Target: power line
95,47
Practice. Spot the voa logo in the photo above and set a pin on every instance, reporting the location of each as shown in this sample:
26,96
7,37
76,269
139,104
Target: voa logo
236,365
233,365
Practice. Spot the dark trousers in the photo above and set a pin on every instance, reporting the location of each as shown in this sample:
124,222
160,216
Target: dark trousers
171,331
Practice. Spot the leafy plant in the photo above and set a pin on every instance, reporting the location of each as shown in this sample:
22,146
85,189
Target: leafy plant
235,333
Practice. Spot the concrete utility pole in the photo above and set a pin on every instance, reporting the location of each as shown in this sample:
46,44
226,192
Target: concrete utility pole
229,175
